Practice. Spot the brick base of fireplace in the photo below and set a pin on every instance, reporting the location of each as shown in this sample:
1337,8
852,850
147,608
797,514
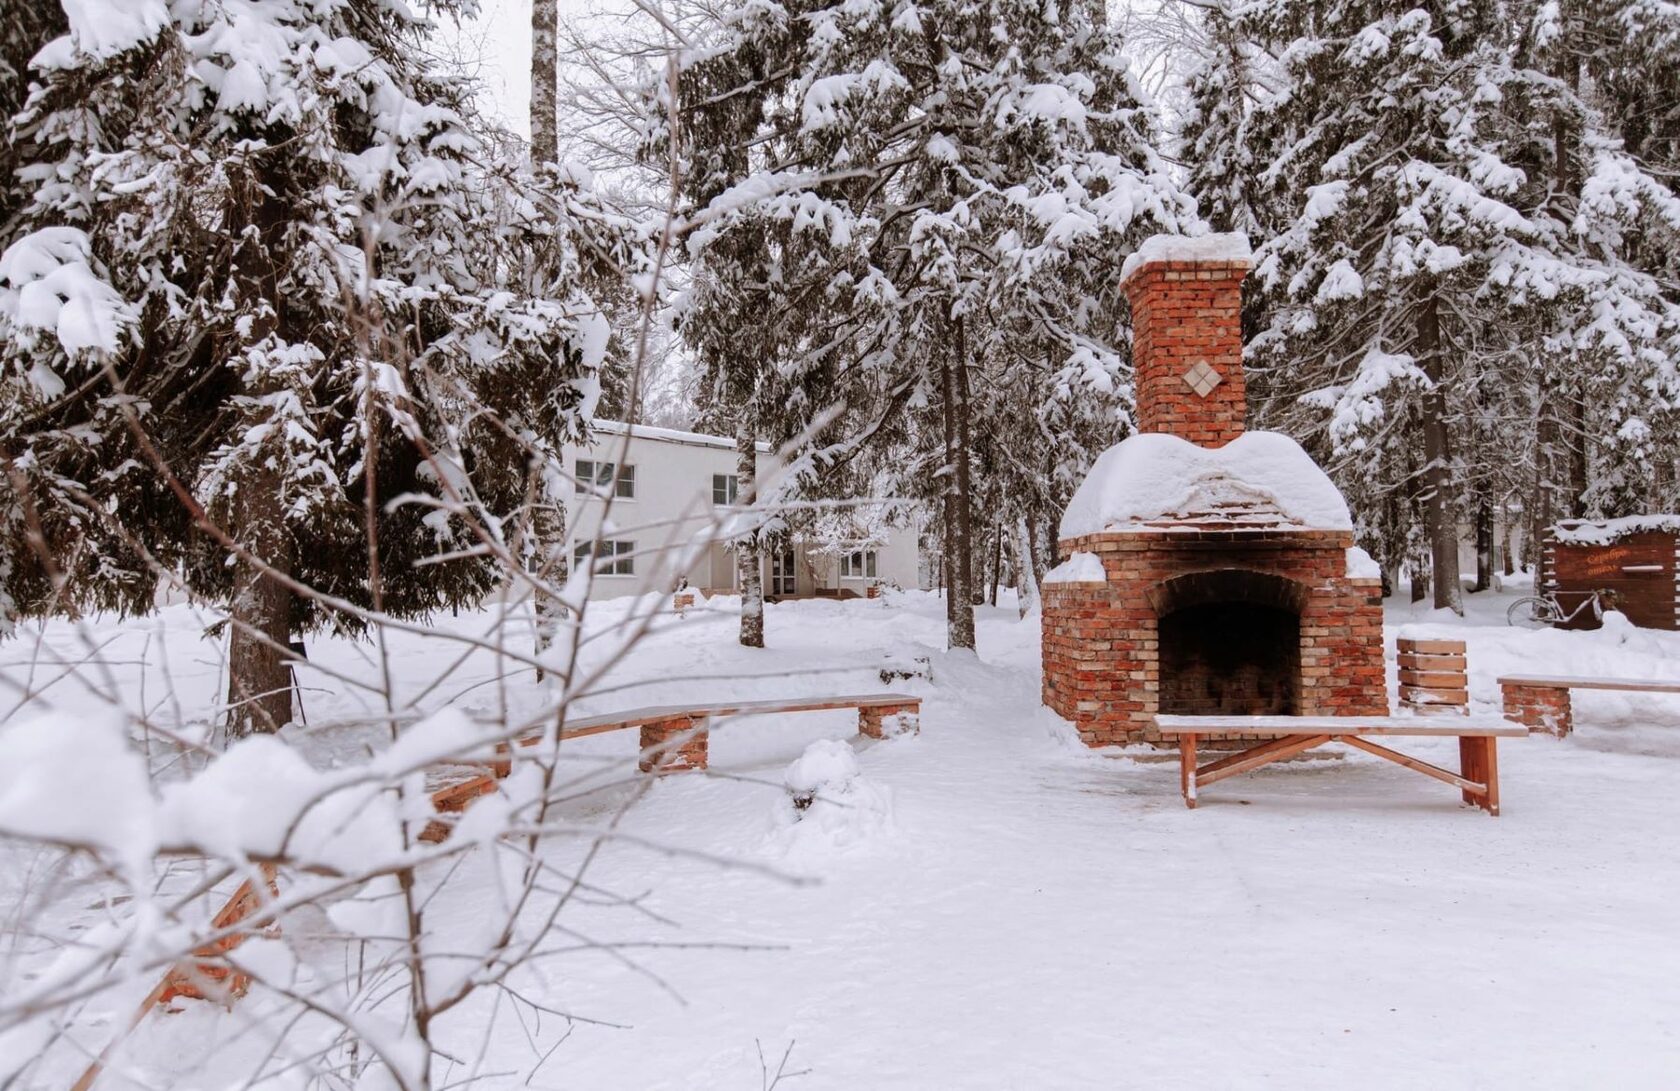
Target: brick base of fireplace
1202,622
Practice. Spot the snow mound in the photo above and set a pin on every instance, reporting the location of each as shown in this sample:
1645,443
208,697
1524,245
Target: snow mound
1605,531
1227,246
1258,479
830,806
1080,567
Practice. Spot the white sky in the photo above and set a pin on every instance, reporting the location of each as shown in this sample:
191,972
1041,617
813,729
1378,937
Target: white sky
495,49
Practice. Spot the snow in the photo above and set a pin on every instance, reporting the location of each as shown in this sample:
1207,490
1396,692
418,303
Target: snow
1080,567
104,28
1361,565
992,893
1154,476
46,283
1605,531
672,435
1219,246
74,778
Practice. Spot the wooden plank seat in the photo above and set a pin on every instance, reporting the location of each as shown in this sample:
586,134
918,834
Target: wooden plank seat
1477,779
1541,701
674,738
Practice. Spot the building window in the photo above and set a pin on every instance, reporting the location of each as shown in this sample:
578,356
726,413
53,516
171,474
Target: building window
598,477
784,580
858,564
725,488
611,558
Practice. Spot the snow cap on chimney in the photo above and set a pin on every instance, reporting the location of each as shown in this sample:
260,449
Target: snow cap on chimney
1186,297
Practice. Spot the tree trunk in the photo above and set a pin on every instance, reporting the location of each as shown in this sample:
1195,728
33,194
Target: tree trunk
1578,476
749,551
1484,545
545,74
259,693
548,551
963,636
1507,565
1542,507
959,606
997,567
1440,519
548,521
1026,577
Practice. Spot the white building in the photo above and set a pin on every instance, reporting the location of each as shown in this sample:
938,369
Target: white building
655,501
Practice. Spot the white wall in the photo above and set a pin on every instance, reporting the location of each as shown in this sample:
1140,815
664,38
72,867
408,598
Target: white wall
672,513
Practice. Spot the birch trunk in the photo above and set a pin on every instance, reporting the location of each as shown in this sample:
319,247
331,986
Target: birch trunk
548,519
1026,579
958,513
748,550
545,68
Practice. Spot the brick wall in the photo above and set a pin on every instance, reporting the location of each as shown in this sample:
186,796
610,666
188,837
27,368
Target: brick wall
1185,314
1102,641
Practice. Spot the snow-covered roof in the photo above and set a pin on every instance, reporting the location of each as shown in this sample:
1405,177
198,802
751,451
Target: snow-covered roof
1227,246
669,435
1159,481
1605,531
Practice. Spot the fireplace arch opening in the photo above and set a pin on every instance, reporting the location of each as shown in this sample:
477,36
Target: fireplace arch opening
1229,643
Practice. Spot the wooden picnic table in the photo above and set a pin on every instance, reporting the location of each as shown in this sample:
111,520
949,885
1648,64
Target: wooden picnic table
1477,778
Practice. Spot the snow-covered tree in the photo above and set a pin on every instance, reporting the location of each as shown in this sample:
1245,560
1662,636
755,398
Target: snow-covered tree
950,185
273,318
1425,277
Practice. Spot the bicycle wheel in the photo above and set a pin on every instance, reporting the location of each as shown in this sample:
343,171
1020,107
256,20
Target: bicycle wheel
1532,612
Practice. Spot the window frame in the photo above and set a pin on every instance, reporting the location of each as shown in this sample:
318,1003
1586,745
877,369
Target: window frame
731,490
618,480
866,567
617,559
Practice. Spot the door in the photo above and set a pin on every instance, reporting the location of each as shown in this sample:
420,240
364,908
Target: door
783,582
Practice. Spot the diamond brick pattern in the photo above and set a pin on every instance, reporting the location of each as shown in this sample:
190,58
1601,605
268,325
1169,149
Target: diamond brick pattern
1202,378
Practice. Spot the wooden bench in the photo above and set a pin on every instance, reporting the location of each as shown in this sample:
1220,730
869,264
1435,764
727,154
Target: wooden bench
1477,778
674,739
1542,701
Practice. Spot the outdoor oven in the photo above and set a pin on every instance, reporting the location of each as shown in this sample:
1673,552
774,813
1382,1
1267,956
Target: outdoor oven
1205,570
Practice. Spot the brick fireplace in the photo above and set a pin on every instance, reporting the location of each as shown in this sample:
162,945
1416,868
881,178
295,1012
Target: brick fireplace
1205,569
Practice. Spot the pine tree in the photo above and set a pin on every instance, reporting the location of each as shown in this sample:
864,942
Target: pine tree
276,320
1424,279
943,181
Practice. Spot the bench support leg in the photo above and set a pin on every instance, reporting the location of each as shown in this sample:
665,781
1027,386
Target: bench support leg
674,746
886,721
1542,708
1187,769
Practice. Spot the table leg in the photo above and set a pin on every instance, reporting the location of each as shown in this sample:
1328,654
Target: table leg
1478,760
1490,774
1187,768
1467,765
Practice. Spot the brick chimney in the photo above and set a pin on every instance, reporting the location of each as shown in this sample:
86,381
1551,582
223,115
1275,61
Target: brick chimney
1186,297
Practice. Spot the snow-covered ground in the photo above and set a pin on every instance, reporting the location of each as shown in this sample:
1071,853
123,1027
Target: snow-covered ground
996,907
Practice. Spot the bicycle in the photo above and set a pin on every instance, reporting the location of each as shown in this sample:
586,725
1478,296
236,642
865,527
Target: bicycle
1542,611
